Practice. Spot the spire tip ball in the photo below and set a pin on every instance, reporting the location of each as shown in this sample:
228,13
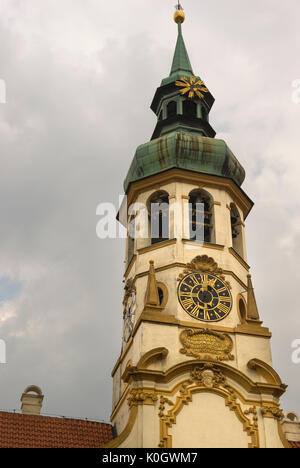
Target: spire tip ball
179,16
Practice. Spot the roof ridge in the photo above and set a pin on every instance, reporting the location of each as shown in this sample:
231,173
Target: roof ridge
53,416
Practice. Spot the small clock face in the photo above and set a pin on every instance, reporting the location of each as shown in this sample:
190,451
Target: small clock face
129,317
205,297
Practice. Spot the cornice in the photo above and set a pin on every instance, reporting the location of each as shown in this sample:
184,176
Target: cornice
170,320
205,245
159,377
186,176
239,258
157,246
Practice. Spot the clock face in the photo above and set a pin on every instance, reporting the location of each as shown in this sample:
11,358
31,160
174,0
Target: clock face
129,317
205,297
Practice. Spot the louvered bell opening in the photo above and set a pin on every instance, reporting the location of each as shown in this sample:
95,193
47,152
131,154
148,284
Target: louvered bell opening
159,219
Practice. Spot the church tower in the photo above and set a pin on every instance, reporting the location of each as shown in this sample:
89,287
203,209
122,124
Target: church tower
195,368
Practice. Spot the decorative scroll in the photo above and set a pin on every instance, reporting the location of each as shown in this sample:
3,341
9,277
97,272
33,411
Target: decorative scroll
142,397
272,412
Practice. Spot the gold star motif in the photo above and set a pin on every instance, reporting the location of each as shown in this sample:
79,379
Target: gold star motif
192,87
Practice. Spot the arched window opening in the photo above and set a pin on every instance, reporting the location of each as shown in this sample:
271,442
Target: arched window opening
160,117
161,296
204,113
131,239
159,217
172,109
189,108
201,216
242,310
236,230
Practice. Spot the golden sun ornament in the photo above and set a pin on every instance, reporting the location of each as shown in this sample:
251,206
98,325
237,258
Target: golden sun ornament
192,87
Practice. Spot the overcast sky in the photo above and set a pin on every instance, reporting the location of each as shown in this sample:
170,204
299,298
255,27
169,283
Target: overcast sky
80,77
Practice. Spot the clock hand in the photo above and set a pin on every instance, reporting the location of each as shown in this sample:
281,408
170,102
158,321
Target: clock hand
204,284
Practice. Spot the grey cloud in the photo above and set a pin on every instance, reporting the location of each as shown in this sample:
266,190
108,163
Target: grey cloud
80,79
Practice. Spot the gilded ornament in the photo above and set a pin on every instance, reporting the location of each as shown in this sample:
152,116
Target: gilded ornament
204,264
192,87
206,344
208,375
272,412
141,397
179,16
252,411
163,402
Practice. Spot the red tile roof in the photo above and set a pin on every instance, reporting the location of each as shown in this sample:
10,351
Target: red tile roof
294,444
23,431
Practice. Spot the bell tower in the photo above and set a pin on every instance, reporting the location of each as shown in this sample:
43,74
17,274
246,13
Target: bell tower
195,368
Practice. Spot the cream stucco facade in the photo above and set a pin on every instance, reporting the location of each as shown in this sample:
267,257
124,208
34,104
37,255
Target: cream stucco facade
165,398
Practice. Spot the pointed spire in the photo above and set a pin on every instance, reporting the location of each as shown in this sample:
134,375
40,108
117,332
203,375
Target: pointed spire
152,303
252,310
181,116
181,65
181,62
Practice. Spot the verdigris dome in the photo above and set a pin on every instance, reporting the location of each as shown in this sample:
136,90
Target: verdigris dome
185,151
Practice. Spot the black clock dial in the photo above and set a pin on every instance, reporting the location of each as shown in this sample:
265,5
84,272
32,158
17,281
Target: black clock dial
205,297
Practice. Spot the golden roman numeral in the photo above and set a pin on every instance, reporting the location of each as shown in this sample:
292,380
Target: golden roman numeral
186,294
223,308
224,299
195,311
206,315
203,277
187,303
193,278
212,282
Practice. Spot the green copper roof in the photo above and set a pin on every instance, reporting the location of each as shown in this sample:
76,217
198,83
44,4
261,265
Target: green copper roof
184,151
181,65
183,138
181,61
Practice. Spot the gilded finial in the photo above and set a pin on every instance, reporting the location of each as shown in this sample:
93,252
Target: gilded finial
152,303
179,15
252,310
